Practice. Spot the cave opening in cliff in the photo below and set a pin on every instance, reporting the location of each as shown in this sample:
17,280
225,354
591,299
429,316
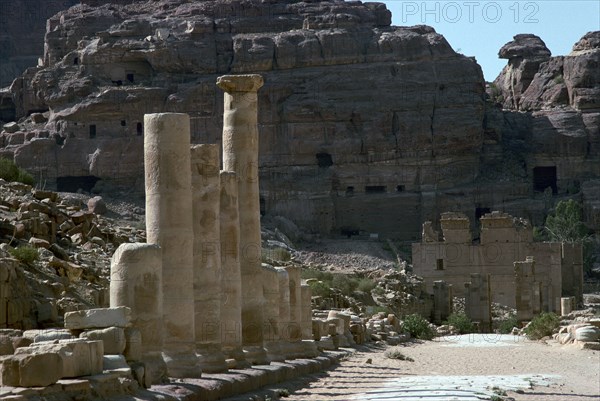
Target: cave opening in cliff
75,183
349,191
375,189
130,77
544,177
400,188
76,61
324,159
92,131
480,211
139,129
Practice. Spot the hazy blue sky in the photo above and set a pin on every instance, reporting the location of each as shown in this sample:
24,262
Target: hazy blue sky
480,28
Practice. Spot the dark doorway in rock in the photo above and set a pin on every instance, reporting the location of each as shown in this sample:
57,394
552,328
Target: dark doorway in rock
375,189
480,211
76,61
349,231
73,184
139,129
349,191
92,131
400,188
544,177
324,160
130,77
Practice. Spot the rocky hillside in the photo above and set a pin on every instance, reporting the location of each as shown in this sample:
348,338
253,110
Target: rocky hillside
365,128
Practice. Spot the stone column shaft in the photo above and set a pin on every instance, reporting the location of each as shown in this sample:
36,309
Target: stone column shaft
231,279
136,282
169,225
206,184
240,154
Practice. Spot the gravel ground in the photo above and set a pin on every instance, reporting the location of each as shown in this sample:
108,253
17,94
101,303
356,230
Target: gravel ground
573,374
345,255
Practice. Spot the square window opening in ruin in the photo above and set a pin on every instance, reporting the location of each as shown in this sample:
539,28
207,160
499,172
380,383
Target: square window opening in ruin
544,177
92,131
349,191
139,128
130,77
400,188
375,189
439,264
324,159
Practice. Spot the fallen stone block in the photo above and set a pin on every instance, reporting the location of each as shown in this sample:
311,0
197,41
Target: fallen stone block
98,318
587,334
78,357
114,362
33,370
112,337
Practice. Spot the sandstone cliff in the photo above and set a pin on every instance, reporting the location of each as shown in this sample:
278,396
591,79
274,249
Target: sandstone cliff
364,127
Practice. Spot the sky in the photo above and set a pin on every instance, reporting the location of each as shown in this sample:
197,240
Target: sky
481,28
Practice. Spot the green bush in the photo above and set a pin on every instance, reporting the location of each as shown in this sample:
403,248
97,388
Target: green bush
395,353
318,274
542,325
506,326
25,254
461,322
345,283
320,288
365,285
418,327
10,172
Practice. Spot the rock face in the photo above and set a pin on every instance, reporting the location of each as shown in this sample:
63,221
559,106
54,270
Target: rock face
22,40
364,127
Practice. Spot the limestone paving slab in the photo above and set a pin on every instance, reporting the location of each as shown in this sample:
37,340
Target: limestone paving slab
455,388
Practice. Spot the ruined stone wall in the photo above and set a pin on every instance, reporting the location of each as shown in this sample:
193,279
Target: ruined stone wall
454,262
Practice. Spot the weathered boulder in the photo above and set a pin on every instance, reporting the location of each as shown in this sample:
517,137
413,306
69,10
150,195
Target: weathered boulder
112,337
30,370
97,205
587,333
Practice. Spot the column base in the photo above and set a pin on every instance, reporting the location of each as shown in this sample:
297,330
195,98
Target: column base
211,359
256,355
182,364
238,357
293,349
310,349
326,343
155,369
274,351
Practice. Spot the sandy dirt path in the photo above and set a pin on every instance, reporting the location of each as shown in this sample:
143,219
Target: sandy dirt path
449,369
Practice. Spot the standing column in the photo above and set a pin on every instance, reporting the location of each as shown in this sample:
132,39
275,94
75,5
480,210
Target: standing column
284,310
169,225
271,314
206,196
240,154
308,343
231,279
136,282
294,334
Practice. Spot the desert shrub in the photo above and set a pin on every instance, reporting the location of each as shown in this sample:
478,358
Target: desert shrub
320,288
10,172
542,325
461,322
506,326
365,285
25,254
395,353
345,283
418,327
373,310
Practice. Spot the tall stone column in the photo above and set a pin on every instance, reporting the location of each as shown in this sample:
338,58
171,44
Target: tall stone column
294,331
169,225
284,310
240,154
231,279
206,194
271,314
136,282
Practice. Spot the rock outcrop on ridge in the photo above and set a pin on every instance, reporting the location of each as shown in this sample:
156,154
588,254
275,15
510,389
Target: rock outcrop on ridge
364,127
